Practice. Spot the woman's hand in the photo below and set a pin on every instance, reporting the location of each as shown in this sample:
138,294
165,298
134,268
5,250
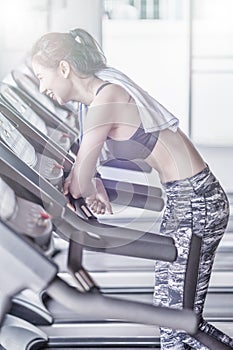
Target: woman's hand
67,182
71,185
99,202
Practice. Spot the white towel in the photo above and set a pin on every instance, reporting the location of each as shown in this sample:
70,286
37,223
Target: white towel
153,115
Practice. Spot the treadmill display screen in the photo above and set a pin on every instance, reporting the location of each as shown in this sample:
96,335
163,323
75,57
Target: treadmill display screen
17,142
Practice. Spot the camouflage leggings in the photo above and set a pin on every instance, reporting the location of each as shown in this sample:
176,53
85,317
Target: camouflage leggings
196,216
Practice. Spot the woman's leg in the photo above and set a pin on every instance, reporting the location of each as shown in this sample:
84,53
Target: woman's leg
197,230
212,212
169,277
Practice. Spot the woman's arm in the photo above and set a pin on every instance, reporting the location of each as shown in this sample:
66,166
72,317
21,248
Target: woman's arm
97,126
107,110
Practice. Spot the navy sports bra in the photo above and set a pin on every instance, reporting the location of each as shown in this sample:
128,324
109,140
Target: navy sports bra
138,146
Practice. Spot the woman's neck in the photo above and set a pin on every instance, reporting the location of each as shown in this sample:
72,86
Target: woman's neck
85,88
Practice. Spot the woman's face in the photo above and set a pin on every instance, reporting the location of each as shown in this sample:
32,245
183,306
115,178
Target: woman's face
53,82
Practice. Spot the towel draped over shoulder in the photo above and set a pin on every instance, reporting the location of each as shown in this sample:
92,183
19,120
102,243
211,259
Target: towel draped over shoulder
154,116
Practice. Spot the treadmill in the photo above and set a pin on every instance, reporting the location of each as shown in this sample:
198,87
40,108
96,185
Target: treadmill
25,84
50,126
74,331
59,287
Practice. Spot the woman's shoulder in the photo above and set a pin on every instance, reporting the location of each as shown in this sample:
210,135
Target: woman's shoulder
109,92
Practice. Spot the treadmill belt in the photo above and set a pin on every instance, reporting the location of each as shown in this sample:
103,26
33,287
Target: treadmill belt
104,335
110,335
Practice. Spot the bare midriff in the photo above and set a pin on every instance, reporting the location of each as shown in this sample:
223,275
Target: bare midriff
175,157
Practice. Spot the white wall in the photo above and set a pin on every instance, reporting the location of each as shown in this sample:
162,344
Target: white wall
212,79
22,22
154,54
77,13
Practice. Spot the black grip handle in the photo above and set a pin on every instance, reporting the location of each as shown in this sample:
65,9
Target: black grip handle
80,204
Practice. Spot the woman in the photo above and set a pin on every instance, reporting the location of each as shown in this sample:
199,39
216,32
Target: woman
71,66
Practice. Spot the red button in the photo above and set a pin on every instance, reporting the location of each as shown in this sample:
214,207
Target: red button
44,215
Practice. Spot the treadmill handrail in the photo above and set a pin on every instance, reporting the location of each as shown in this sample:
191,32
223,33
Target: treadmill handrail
41,109
44,112
42,273
91,234
105,307
28,130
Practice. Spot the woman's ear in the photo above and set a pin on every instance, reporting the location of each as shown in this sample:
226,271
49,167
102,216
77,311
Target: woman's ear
64,67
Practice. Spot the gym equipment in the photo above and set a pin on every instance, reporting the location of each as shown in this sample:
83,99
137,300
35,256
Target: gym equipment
135,195
59,133
55,289
36,310
69,225
25,217
125,278
104,334
26,82
41,142
131,243
47,166
41,274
